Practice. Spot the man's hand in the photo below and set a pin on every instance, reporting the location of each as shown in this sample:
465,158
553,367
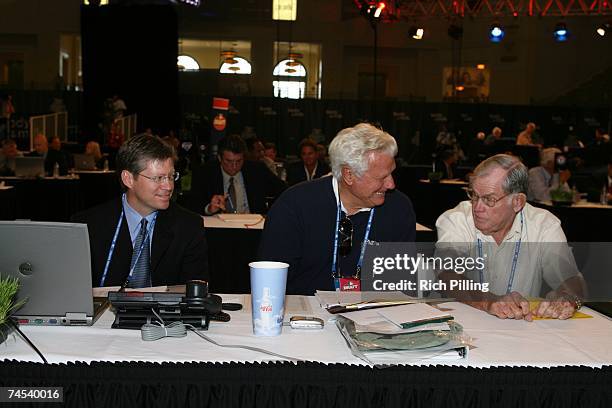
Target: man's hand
556,306
510,306
217,202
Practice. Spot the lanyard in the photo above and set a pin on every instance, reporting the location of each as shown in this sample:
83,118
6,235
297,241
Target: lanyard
363,244
517,249
112,250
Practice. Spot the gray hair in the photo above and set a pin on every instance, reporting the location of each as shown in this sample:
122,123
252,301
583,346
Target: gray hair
548,155
517,175
352,147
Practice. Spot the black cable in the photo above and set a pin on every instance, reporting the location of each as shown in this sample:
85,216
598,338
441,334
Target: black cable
16,326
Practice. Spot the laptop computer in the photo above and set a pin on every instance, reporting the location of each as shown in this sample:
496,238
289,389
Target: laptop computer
29,166
52,262
84,162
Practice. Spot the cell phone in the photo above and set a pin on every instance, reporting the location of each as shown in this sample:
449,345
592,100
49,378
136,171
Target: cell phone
306,322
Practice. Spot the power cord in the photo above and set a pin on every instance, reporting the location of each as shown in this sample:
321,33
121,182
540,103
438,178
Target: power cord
158,330
23,336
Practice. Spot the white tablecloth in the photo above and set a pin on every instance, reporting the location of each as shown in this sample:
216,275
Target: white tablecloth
543,343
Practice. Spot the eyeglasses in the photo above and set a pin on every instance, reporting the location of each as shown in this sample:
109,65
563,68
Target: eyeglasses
488,200
170,178
345,236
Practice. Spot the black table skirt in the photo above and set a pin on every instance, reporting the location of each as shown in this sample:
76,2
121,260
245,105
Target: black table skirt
132,384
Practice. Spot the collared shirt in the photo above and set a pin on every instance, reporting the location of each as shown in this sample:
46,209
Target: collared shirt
543,256
242,203
133,220
541,183
310,176
335,187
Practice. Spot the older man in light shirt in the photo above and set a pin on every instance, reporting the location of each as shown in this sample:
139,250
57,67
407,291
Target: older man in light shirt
522,246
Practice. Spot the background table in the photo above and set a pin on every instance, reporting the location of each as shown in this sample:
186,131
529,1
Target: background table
583,222
232,245
514,363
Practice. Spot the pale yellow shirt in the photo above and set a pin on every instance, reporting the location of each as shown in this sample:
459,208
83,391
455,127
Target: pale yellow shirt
543,256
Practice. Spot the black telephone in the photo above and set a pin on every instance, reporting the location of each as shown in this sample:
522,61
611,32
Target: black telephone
197,307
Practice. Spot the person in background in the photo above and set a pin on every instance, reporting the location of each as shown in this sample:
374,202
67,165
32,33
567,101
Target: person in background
92,148
522,247
52,156
233,184
446,163
494,136
310,167
475,150
7,157
543,179
142,237
257,152
527,136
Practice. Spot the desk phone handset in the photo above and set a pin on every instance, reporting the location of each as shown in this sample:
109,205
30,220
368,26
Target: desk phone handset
197,307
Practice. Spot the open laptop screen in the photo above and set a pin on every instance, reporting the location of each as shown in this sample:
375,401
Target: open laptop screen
52,262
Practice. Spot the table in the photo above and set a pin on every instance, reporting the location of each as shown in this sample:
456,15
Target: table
45,199
514,363
229,267
97,186
583,221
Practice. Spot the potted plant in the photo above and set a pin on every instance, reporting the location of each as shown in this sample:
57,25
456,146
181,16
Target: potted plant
561,197
8,289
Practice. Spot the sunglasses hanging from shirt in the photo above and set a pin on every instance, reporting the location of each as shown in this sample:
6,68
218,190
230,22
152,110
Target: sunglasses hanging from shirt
343,243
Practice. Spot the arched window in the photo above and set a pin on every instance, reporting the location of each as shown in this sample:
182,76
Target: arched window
289,79
240,66
187,63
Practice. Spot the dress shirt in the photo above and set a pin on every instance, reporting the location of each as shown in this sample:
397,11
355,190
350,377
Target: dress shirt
541,183
133,220
543,255
335,187
242,203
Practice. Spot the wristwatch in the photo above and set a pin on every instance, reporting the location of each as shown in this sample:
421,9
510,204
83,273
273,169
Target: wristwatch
574,299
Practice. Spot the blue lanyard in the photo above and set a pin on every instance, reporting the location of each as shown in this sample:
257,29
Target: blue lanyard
112,250
517,249
363,244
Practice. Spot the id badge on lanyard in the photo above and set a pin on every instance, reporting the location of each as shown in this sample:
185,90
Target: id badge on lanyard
347,284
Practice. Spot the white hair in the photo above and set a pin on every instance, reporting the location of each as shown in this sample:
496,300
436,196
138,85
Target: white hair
352,147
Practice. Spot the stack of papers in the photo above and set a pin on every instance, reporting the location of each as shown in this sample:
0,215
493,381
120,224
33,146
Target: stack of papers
340,302
241,218
399,319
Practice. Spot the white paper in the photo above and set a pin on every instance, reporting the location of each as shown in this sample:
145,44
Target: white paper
415,312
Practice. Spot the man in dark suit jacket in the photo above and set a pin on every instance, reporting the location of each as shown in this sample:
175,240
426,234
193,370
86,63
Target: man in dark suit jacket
310,167
177,244
253,182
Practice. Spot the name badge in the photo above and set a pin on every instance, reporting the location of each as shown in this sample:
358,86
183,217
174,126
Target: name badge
347,284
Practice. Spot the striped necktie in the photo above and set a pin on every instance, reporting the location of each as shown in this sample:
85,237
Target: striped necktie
141,277
231,192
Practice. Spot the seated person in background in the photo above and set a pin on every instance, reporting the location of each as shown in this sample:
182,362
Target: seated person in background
142,236
232,184
311,221
543,179
52,156
445,163
494,136
7,157
93,149
256,152
498,218
526,137
310,167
